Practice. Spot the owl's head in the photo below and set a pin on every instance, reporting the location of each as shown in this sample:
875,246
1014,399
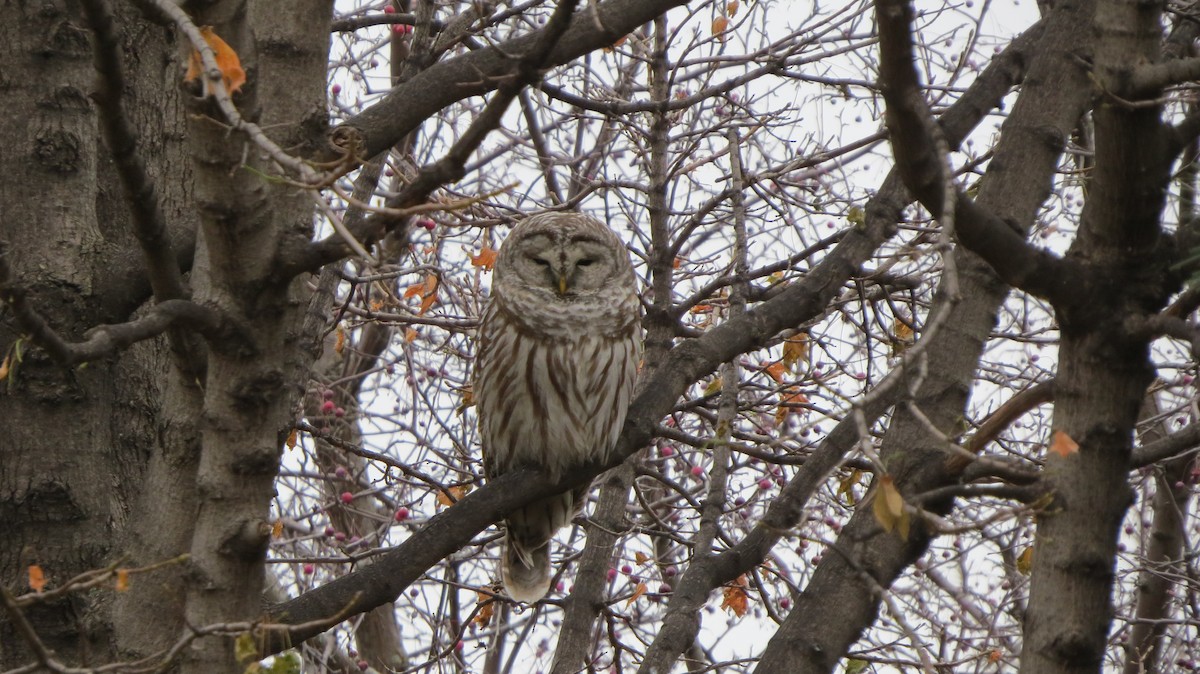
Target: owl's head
567,254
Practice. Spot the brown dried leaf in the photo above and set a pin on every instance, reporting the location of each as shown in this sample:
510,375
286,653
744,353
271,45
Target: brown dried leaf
735,599
37,578
637,592
1063,445
232,74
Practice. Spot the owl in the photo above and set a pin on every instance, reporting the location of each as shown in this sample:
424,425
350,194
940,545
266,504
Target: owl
555,367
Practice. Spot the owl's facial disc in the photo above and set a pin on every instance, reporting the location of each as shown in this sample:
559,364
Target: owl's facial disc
569,267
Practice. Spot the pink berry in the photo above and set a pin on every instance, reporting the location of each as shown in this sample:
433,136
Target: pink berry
401,514
459,645
308,569
341,472
558,587
347,497
665,589
327,407
666,451
363,665
336,89
612,573
785,603
327,394
339,412
764,483
339,536
670,571
398,28
390,9
329,531
626,569
697,471
426,223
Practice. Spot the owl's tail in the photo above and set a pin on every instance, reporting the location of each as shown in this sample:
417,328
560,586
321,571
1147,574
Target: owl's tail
526,564
526,571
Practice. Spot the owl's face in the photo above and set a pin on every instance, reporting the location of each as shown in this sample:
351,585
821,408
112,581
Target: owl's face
553,255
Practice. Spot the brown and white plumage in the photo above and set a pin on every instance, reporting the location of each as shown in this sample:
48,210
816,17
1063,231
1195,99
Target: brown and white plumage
555,368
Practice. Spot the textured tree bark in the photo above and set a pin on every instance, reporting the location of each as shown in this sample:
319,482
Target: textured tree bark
841,600
75,440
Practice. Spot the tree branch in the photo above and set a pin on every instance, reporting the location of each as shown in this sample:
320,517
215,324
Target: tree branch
914,140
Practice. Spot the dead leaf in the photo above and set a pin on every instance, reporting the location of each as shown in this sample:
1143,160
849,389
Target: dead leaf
1025,561
426,290
790,404
468,400
888,508
232,74
37,578
485,259
616,44
339,341
637,592
732,8
455,495
410,335
291,439
795,349
5,366
847,484
122,580
719,25
735,600
487,607
776,371
277,529
1063,445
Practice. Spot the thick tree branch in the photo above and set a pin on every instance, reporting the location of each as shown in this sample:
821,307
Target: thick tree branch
521,72
106,340
914,141
478,72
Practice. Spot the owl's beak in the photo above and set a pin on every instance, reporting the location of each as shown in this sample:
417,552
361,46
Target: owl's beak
562,284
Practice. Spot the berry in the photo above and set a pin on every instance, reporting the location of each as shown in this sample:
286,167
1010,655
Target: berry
329,531
363,665
612,573
347,497
390,9
764,483
626,569
327,407
697,471
308,569
339,412
336,89
785,603
666,451
341,472
401,514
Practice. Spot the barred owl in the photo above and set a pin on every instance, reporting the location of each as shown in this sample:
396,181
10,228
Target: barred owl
554,371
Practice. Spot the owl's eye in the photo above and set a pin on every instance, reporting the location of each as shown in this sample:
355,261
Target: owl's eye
585,262
541,261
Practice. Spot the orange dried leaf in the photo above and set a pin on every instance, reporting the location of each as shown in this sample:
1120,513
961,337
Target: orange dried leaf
468,400
795,349
637,592
732,8
426,290
232,74
702,309
1062,444
410,335
5,367
455,494
339,342
122,580
790,403
277,529
777,371
291,439
616,44
37,578
487,608
994,656
734,599
486,259
719,25
904,331
641,557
